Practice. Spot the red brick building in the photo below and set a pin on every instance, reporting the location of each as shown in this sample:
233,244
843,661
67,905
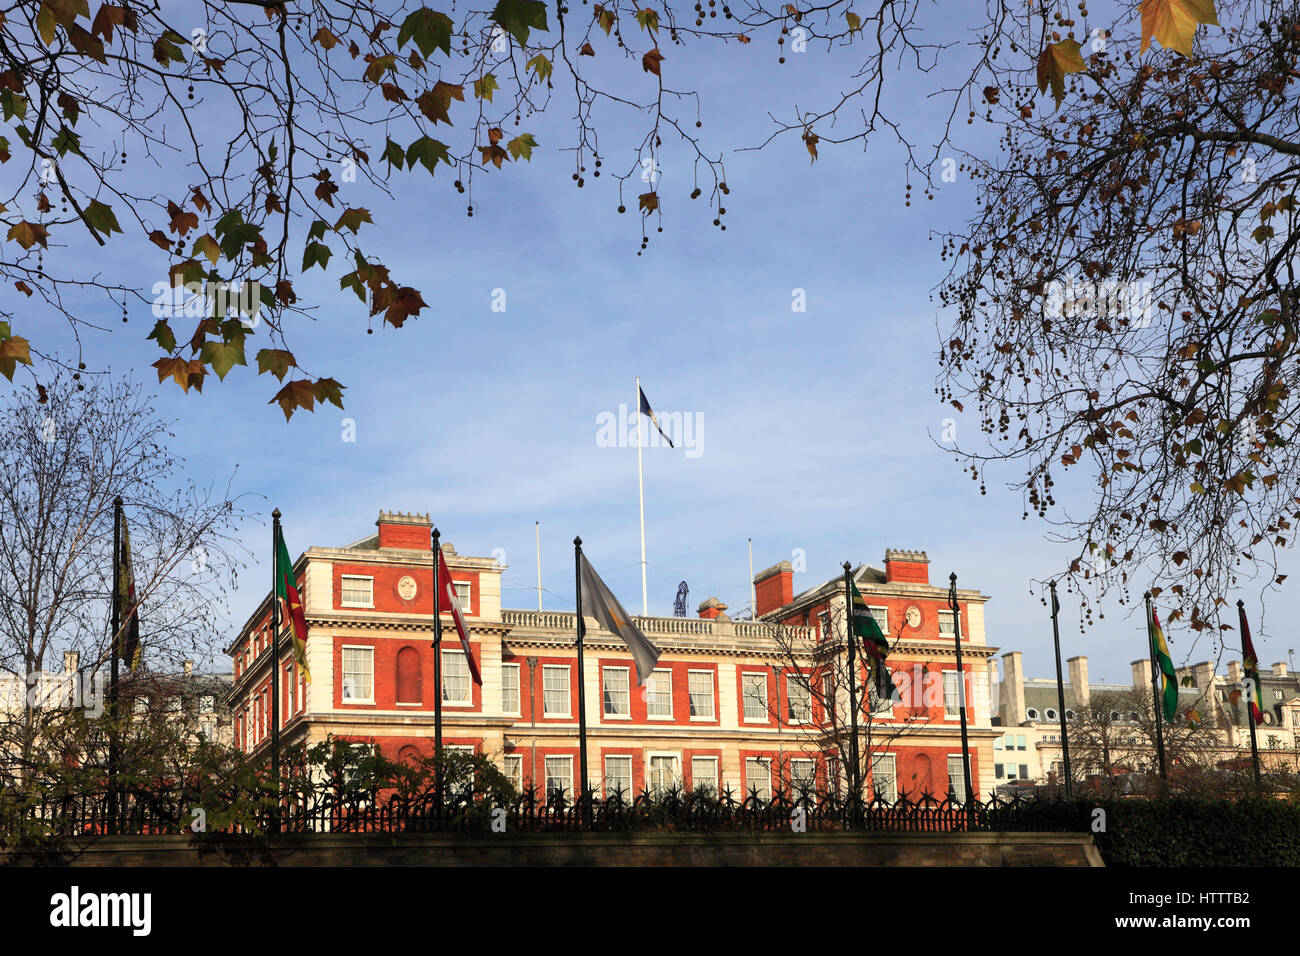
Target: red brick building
723,708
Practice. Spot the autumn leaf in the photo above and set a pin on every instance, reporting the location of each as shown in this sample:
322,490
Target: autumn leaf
325,38
586,50
429,29
276,361
427,152
404,303
23,287
435,102
181,221
522,145
1057,60
223,356
379,65
177,369
810,141
648,19
648,202
352,219
541,66
605,17
159,239
27,234
300,393
494,155
328,390
162,334
854,21
483,87
13,350
1174,22
650,62
206,245
167,48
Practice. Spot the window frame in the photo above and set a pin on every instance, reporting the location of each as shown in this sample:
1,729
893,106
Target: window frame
765,762
343,589
695,783
468,675
791,718
626,673
761,676
546,774
568,696
630,792
658,674
343,673
672,755
877,762
518,688
711,675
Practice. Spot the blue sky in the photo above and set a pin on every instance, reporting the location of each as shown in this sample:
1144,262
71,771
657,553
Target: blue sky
818,426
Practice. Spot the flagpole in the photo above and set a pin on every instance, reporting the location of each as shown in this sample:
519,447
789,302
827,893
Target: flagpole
1250,708
1060,694
855,771
753,598
1155,686
275,665
538,525
437,662
116,619
961,695
640,489
582,690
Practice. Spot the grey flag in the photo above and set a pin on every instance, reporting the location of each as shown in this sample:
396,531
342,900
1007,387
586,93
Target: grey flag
599,602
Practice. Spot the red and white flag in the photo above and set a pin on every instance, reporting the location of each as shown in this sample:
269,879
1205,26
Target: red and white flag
447,601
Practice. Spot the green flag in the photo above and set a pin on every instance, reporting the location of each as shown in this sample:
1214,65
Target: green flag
874,644
1169,692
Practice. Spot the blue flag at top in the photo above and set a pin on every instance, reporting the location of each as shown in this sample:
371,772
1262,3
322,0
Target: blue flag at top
647,410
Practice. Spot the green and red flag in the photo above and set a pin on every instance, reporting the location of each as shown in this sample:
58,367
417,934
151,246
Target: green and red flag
1250,663
286,592
126,642
874,644
1168,680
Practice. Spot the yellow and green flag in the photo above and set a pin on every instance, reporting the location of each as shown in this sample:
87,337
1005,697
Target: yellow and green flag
1169,683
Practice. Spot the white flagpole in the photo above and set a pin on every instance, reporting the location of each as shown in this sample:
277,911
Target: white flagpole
539,564
640,488
753,598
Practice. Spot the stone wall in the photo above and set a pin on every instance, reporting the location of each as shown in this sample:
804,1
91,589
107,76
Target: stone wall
585,849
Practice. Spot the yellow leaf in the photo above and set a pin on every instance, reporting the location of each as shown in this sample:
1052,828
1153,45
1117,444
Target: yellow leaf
1057,60
854,21
1173,22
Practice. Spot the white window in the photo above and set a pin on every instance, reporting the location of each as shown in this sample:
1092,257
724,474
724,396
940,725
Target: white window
358,591
803,776
754,690
462,595
881,614
559,772
618,777
514,770
704,773
359,674
510,689
1031,713
946,626
659,694
208,728
951,694
798,700
700,691
758,777
884,777
207,704
617,696
663,772
555,693
956,777
456,687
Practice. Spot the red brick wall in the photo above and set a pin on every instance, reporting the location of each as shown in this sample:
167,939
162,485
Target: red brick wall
405,536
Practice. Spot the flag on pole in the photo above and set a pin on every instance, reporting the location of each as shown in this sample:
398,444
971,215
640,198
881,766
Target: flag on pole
647,410
291,610
874,643
127,639
1169,682
1250,663
599,602
450,602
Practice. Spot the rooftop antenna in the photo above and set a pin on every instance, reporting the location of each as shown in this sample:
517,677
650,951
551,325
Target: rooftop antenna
538,526
753,601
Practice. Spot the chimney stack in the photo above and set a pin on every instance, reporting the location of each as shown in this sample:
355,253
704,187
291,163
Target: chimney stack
1013,686
1079,681
406,531
1142,674
908,567
712,608
773,588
